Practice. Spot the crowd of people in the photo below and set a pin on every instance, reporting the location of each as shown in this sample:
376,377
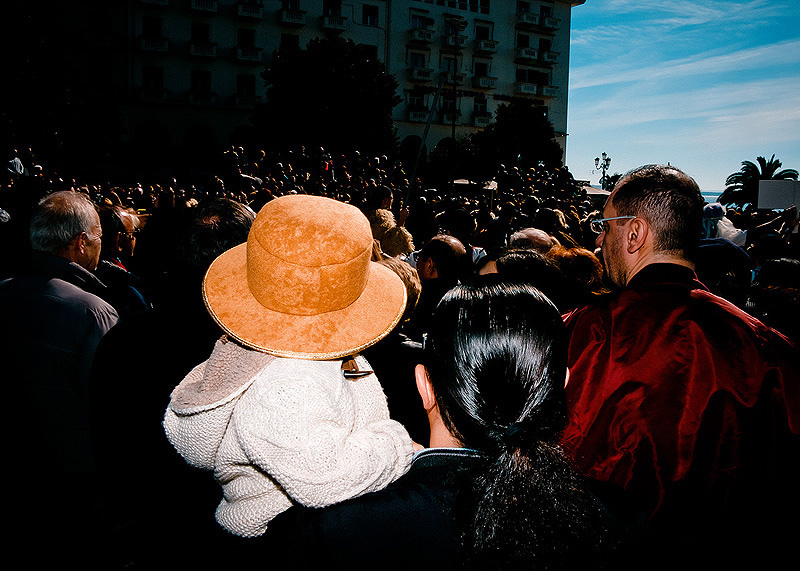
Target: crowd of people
562,382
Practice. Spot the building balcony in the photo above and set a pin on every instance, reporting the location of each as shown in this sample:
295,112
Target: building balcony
527,20
525,88
155,2
549,57
420,35
202,49
456,41
449,117
526,54
420,74
333,23
484,82
418,115
201,98
205,5
246,101
152,94
249,10
548,90
453,77
154,44
481,119
292,17
485,46
249,54
550,23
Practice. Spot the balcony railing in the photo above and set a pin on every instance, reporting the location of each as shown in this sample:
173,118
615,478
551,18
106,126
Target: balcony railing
334,23
420,35
249,53
548,90
449,117
292,17
455,41
202,97
525,88
154,44
550,23
486,46
526,54
152,94
527,19
418,115
481,118
453,77
155,2
484,82
203,49
250,10
205,5
550,57
420,74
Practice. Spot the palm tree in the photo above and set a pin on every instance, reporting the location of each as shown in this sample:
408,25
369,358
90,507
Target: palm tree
742,187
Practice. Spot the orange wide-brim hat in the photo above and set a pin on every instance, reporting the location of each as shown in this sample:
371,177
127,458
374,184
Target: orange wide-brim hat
303,285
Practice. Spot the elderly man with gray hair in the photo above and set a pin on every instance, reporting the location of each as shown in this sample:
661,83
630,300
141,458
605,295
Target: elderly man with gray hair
52,322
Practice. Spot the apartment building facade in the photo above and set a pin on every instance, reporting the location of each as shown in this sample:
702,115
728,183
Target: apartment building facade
192,68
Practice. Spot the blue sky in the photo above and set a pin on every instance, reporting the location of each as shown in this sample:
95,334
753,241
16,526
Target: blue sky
701,84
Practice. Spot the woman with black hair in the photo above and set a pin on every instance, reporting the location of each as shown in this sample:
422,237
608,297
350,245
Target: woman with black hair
494,490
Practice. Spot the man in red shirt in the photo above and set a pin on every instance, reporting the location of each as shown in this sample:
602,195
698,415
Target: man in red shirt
677,396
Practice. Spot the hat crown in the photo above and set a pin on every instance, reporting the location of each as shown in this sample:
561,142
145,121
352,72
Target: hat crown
308,255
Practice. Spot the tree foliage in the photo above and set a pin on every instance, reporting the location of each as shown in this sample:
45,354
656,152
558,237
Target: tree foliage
333,94
742,187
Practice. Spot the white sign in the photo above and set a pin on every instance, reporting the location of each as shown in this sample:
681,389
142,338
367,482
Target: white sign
778,194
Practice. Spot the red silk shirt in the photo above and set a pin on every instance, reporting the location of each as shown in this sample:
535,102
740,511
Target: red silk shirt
676,394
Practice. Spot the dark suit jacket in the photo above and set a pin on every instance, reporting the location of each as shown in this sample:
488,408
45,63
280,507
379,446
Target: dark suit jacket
408,525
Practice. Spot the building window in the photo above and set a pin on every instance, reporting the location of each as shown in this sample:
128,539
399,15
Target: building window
483,31
481,105
416,59
523,7
290,42
480,68
201,82
246,38
523,41
369,15
416,101
246,86
532,76
546,11
291,4
201,32
152,81
151,27
419,21
332,8
448,63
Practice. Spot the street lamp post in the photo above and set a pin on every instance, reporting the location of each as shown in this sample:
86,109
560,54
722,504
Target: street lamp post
602,164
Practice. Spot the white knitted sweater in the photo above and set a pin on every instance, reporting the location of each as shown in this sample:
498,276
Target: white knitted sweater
277,431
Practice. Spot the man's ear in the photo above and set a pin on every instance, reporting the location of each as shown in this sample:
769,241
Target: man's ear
424,387
636,235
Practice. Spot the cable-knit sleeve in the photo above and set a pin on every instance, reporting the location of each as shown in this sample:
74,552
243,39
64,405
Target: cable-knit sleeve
323,438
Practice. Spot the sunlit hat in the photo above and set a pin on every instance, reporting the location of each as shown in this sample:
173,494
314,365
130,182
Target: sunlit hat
303,285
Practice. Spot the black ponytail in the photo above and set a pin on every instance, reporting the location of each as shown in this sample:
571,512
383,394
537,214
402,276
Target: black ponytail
496,357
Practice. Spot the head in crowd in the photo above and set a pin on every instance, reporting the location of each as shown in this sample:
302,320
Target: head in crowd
443,257
218,225
669,201
495,360
119,231
532,239
378,197
535,269
582,271
410,279
66,224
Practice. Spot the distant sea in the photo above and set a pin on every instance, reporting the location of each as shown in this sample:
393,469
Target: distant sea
711,195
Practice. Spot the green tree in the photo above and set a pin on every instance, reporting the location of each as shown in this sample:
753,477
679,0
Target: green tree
333,94
742,187
521,135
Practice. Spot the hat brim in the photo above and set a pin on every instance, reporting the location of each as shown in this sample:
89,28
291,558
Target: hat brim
324,336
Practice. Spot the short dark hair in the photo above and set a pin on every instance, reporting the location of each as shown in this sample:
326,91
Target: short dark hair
669,200
218,225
